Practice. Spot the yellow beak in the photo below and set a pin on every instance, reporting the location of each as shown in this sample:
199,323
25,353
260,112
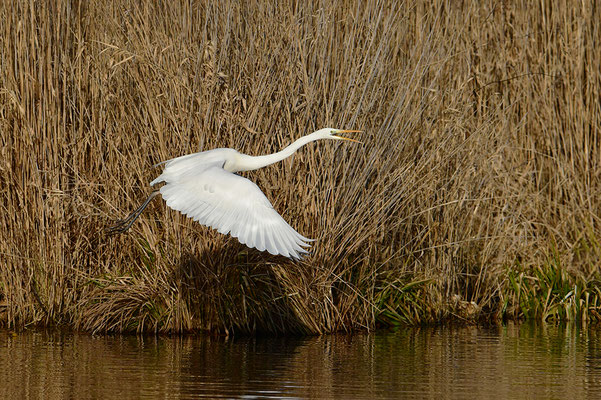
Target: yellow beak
345,138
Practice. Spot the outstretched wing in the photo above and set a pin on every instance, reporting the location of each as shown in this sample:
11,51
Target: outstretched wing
233,204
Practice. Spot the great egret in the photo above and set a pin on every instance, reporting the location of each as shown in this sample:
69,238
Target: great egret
204,186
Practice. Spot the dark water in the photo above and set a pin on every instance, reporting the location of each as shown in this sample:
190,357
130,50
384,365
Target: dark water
511,362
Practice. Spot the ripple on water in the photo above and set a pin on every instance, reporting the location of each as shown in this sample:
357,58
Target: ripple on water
525,361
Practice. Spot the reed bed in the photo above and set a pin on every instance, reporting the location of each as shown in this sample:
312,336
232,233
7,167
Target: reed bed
479,175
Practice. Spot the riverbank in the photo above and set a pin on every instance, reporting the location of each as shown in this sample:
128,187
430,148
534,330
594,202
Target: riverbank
475,196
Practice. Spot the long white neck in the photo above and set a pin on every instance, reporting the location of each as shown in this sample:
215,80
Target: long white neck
249,163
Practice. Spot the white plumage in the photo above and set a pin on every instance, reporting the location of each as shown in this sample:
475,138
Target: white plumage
204,186
229,203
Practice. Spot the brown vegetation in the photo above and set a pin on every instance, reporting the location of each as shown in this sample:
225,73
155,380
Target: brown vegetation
481,159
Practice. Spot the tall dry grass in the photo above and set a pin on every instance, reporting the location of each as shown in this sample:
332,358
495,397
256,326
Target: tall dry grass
482,149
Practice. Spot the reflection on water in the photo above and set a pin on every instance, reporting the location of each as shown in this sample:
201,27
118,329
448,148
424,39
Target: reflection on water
514,361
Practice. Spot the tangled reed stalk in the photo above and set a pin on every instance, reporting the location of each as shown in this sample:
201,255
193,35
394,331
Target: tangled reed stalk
482,150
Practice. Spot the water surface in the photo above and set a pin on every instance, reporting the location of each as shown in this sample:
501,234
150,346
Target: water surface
514,361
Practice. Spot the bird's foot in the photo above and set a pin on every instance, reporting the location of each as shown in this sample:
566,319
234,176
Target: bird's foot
120,226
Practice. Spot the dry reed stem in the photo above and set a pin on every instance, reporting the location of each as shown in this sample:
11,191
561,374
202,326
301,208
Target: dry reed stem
481,148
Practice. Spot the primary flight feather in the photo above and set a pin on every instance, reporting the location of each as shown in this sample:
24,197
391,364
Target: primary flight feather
205,187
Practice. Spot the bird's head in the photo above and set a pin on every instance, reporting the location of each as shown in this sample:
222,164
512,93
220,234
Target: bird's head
331,133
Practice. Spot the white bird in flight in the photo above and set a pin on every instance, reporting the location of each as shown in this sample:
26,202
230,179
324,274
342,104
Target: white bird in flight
205,187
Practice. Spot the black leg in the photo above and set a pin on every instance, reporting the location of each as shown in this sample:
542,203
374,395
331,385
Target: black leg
124,224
